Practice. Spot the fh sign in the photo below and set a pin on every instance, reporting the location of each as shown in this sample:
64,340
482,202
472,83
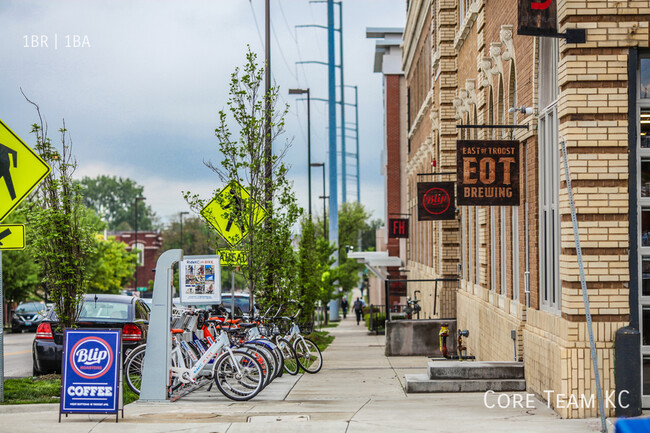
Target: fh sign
488,173
398,228
436,201
537,18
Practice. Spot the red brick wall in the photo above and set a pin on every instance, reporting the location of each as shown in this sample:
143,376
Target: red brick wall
393,175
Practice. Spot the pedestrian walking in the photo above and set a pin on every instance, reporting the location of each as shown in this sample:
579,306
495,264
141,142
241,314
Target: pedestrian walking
344,306
358,309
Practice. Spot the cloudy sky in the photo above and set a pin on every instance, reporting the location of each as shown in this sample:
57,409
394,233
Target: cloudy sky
141,101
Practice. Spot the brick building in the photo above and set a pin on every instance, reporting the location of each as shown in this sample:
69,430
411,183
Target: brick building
465,64
388,62
149,242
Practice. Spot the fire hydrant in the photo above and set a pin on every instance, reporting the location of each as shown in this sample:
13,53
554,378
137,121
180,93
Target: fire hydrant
462,350
443,334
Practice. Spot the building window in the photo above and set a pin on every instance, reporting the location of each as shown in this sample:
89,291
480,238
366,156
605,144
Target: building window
549,181
493,248
477,245
471,243
139,247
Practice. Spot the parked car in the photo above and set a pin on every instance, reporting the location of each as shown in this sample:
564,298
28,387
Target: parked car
241,302
97,311
28,316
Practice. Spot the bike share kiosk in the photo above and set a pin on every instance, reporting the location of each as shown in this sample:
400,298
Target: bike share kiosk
157,359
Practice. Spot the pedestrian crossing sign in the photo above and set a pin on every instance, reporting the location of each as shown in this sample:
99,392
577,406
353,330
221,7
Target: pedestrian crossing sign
21,170
227,211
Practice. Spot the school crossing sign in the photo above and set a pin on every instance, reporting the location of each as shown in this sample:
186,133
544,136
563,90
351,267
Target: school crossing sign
225,212
21,170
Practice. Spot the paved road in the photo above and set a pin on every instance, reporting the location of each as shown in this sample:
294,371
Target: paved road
18,354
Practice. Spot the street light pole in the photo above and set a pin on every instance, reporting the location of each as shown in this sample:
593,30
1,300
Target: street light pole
309,165
135,244
182,213
324,197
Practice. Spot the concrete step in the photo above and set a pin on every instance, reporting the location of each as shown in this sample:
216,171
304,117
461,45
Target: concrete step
420,383
475,370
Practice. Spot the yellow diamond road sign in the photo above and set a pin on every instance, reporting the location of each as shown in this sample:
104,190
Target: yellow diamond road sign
21,169
222,212
12,236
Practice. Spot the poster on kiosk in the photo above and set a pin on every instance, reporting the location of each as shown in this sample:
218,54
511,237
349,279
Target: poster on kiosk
200,281
91,371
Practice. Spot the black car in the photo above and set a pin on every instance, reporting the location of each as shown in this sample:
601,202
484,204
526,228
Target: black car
28,316
97,311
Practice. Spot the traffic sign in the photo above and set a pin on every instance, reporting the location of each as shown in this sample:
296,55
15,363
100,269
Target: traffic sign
12,237
221,212
21,169
232,258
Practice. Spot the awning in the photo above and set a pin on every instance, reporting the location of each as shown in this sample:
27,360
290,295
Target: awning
375,260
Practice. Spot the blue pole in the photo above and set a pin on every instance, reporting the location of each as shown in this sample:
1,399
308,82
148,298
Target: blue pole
333,160
356,125
344,156
334,208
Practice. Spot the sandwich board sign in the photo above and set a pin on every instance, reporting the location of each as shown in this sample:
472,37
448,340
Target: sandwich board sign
90,382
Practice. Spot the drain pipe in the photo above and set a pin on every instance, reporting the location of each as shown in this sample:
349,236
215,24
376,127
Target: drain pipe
527,230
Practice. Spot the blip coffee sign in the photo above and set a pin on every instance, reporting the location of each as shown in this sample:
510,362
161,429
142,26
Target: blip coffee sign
436,201
488,173
91,368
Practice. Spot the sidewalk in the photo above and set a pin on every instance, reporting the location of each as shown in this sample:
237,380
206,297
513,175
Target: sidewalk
358,390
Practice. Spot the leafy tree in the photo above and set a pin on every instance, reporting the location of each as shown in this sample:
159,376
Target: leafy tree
62,240
20,273
114,199
271,269
198,238
110,266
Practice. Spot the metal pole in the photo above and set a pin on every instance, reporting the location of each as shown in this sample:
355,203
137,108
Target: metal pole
2,337
333,160
344,180
583,284
135,245
325,235
309,150
268,150
232,293
181,230
356,123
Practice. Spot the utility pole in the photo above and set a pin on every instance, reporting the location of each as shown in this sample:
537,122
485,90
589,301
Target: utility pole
268,150
333,156
344,156
356,123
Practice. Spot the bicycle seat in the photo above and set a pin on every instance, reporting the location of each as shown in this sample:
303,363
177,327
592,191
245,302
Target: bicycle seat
177,331
247,325
216,319
233,321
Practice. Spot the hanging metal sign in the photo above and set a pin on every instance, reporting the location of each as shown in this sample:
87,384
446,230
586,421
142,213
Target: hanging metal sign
488,172
436,201
537,18
398,228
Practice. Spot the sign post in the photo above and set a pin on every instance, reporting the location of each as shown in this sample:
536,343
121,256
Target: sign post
21,169
91,371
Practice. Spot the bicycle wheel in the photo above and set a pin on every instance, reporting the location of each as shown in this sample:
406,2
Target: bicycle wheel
309,356
238,375
274,363
133,368
291,365
264,358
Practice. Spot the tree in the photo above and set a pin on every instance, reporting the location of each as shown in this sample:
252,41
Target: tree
310,270
114,199
198,238
62,241
110,266
20,273
270,272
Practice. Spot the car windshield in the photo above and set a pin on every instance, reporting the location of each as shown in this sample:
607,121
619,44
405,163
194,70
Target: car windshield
102,310
240,301
32,307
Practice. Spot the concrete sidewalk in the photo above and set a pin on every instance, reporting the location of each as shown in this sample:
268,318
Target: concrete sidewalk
358,390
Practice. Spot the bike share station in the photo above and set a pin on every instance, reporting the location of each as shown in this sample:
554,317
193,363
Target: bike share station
157,360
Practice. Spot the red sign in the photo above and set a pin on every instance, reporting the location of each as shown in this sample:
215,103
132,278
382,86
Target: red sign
398,228
436,201
537,18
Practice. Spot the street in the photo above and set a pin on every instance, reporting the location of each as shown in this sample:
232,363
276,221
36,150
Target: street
18,354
